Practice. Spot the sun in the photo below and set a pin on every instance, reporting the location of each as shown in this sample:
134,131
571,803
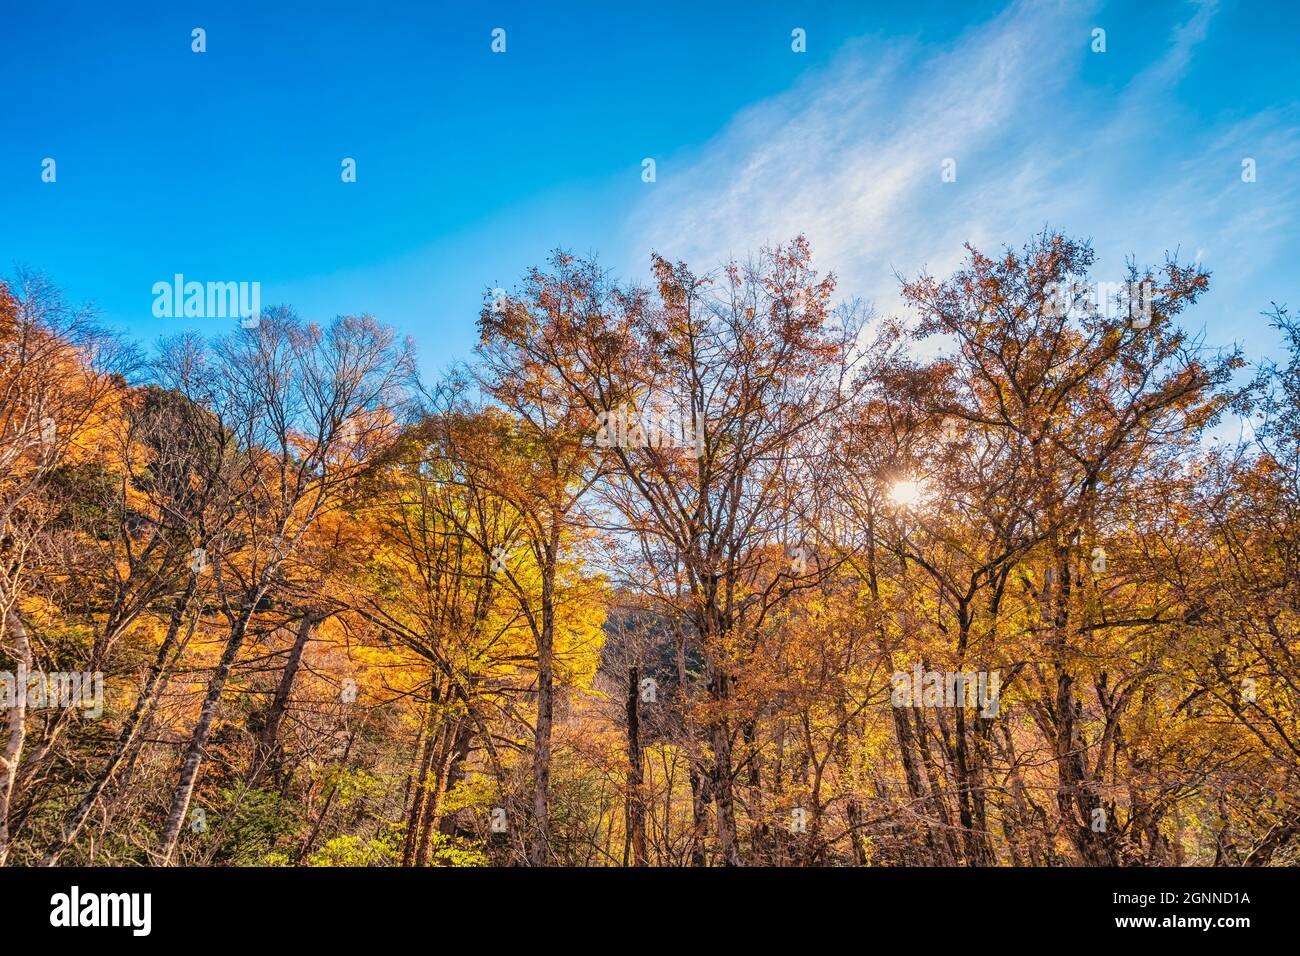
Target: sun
906,492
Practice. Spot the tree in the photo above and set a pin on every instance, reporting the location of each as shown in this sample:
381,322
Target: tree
304,405
59,376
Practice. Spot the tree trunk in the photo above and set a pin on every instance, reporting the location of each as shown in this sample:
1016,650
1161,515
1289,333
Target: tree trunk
635,776
945,838
539,849
723,794
202,730
433,800
420,779
13,752
1076,792
456,772
268,743
701,797
144,704
720,739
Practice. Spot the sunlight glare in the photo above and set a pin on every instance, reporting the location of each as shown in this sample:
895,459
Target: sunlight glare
906,492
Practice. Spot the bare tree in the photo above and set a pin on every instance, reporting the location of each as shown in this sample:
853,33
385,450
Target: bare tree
304,405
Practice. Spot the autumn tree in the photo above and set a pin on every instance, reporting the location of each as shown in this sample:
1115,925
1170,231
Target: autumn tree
303,405
59,379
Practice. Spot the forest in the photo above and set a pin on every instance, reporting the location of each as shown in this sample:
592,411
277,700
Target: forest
719,570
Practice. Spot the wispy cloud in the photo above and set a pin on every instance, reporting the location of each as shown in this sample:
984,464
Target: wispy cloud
852,158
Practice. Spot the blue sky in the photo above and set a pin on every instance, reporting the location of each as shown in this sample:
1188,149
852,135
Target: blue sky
225,166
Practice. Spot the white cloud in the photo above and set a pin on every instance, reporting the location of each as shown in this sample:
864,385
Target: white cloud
851,157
